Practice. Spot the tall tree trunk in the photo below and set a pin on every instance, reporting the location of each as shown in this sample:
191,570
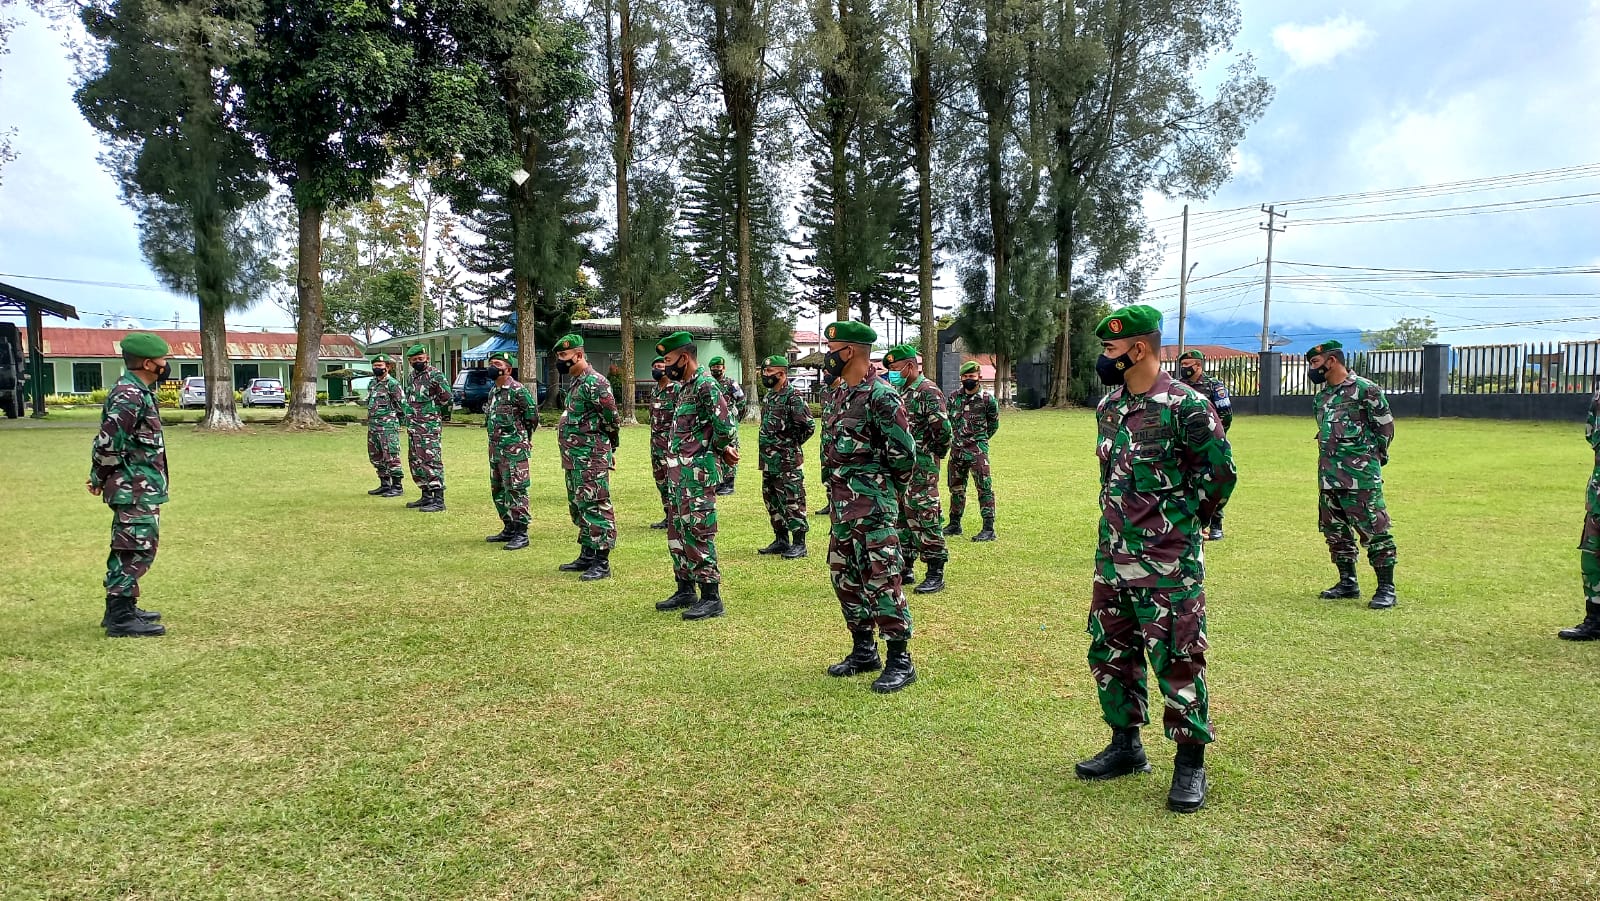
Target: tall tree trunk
748,364
302,413
211,290
922,98
222,415
996,111
841,278
622,151
1066,219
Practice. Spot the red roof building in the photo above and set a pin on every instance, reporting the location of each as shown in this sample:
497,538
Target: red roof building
1169,352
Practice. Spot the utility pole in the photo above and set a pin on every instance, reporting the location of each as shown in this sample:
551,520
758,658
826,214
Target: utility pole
1183,283
1266,300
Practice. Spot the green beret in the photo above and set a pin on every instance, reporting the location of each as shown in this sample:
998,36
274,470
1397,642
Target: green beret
717,361
381,358
415,349
658,359
146,345
778,360
505,357
568,342
899,354
674,341
1129,322
1191,355
851,333
969,366
1323,348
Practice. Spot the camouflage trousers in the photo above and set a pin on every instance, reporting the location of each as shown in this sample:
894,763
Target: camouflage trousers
135,534
1589,559
730,471
1345,514
921,520
692,533
589,504
1169,626
383,449
658,471
424,453
864,556
784,493
978,465
508,485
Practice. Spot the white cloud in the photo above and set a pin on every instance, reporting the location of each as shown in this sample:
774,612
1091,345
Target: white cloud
1309,46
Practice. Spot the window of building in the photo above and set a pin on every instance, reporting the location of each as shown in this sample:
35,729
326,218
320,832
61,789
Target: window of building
86,377
188,370
243,373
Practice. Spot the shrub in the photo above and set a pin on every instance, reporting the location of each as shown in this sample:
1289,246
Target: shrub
166,397
97,397
340,418
322,397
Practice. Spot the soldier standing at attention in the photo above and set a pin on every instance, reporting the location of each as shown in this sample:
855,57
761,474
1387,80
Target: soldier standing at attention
786,426
736,400
830,394
921,522
1589,544
1354,431
588,436
386,410
1193,364
128,470
428,403
1165,467
662,401
511,416
975,416
703,438
870,455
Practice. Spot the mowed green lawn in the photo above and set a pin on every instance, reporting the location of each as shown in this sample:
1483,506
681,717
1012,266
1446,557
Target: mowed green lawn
356,700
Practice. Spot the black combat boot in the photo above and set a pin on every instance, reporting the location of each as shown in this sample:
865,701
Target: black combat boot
149,616
710,602
1215,534
797,547
934,580
383,486
725,489
121,621
683,597
584,561
954,528
419,502
1589,629
662,524
987,534
505,532
518,538
1384,597
600,568
1123,757
1347,586
432,501
863,656
897,669
396,487
780,543
908,575
1188,792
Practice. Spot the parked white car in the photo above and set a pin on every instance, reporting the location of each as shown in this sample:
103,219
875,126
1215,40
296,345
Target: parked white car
265,393
193,392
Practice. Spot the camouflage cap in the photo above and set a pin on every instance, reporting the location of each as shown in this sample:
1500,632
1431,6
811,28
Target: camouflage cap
505,357
717,361
851,333
381,358
416,349
1191,355
568,342
899,354
777,360
674,341
144,344
1323,348
969,366
1129,322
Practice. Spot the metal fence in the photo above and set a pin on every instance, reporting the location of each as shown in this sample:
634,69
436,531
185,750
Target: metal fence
1542,368
1242,375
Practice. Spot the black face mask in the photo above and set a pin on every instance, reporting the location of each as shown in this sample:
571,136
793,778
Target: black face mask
1191,373
658,373
564,366
833,364
1113,371
165,373
771,381
676,371
419,366
379,372
717,374
499,373
1317,376
969,384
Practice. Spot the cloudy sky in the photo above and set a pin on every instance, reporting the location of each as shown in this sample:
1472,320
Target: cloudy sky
1371,96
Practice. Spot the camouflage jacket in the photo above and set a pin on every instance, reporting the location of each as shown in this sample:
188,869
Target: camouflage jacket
511,416
386,403
588,427
663,402
975,419
867,434
1165,468
129,460
1216,392
930,424
1594,442
786,426
735,395
703,426
1354,431
428,395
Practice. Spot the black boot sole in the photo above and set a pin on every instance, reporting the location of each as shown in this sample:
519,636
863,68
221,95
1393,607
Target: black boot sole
929,587
1331,595
592,575
1576,635
1115,774
854,669
713,614
884,689
670,605
794,555
514,545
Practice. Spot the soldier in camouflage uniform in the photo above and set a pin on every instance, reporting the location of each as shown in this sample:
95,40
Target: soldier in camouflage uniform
386,412
663,401
1589,544
975,418
588,437
921,521
702,441
427,404
830,394
1165,466
511,416
128,470
870,455
785,428
1193,364
735,394
1354,431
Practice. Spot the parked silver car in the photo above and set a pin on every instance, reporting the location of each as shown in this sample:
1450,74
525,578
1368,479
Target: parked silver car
193,392
265,393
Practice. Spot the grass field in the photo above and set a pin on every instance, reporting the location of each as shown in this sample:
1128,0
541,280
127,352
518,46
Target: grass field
356,700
